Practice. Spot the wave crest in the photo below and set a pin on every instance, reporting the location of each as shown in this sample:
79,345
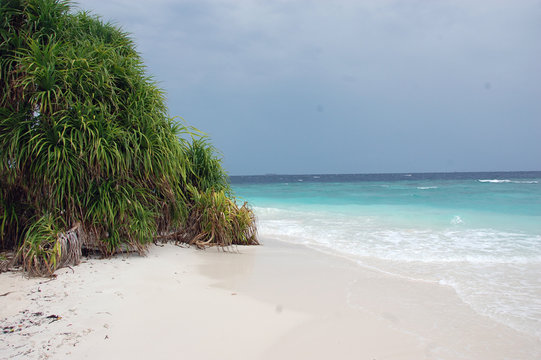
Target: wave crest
498,181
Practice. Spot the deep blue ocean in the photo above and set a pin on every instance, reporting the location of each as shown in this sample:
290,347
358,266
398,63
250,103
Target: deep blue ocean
479,233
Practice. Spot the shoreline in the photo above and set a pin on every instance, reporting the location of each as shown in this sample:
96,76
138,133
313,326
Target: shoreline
276,300
377,266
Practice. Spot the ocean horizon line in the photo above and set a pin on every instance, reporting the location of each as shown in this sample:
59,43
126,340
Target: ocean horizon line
456,175
392,173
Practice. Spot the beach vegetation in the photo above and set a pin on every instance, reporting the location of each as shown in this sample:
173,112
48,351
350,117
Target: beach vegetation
205,167
89,157
216,217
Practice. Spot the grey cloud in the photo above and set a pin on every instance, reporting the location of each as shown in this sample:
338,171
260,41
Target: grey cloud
401,85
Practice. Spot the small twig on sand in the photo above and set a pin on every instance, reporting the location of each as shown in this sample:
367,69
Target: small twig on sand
53,277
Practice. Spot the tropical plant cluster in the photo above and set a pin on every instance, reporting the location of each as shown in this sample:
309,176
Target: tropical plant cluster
89,158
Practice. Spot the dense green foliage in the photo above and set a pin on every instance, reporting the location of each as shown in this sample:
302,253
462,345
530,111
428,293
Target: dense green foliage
85,138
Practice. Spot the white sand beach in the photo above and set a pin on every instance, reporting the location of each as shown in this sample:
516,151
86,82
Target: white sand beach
275,301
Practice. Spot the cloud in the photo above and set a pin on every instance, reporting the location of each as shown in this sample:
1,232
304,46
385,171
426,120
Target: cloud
251,68
254,41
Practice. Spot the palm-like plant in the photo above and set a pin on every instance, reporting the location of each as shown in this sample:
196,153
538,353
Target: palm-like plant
85,137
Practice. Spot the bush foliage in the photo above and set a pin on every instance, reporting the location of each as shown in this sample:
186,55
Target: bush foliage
86,139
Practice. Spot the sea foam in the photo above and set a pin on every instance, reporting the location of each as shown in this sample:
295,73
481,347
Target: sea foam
497,181
479,235
494,271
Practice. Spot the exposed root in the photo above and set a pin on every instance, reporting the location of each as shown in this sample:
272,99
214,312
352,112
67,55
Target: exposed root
71,243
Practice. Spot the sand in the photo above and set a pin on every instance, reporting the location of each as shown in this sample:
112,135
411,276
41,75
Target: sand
275,301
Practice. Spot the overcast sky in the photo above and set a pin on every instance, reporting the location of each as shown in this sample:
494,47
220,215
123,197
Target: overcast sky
344,86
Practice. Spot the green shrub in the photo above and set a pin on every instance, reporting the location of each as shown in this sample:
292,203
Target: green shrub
216,220
41,251
85,136
205,168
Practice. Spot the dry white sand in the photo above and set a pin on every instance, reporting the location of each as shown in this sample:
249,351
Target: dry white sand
275,301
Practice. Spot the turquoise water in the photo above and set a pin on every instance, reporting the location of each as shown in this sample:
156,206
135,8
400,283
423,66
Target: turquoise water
480,235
